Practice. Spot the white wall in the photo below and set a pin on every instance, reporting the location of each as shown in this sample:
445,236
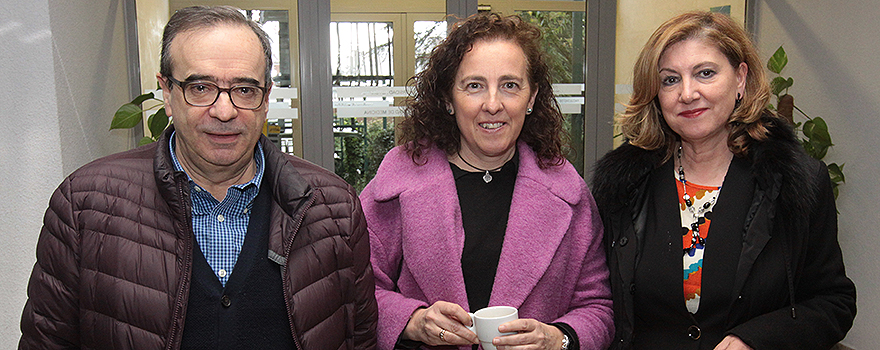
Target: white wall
30,152
62,69
832,48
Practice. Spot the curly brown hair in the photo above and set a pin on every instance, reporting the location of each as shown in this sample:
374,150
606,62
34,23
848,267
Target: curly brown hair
427,122
642,123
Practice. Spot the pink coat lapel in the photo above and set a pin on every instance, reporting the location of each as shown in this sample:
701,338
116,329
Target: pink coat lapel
539,217
431,222
431,219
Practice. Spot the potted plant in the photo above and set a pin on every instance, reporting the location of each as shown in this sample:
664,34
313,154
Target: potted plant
814,131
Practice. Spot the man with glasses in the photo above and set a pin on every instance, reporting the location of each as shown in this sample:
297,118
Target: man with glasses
211,237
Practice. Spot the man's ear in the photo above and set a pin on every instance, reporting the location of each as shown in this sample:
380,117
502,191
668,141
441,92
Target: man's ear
268,92
166,93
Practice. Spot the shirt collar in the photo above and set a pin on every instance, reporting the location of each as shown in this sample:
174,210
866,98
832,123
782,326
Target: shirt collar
259,158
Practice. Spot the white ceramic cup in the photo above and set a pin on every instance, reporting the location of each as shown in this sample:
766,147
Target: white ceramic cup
487,320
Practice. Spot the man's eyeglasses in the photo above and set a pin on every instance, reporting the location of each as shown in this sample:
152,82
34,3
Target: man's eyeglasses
203,94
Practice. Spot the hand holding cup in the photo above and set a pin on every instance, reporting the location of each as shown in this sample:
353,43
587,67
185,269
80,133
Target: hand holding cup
487,321
443,323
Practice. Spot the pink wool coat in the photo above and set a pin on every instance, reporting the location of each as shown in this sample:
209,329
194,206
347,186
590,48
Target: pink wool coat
552,266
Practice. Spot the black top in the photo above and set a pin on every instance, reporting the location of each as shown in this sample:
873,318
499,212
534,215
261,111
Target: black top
658,279
484,211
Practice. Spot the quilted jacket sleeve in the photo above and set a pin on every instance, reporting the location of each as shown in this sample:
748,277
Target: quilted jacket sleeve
365,327
50,317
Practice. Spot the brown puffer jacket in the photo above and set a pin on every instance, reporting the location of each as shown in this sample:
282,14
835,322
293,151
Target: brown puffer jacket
114,258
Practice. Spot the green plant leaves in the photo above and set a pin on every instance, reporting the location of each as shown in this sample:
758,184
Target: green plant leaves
779,84
837,178
836,172
142,98
778,61
157,122
817,130
130,115
126,117
817,138
145,141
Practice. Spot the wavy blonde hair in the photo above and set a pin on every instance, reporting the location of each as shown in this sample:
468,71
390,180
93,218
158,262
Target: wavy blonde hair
642,123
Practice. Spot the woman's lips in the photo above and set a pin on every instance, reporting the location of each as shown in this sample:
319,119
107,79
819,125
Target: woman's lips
693,113
491,126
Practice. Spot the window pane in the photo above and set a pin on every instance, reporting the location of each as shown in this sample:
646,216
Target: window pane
362,54
275,23
427,35
280,121
564,48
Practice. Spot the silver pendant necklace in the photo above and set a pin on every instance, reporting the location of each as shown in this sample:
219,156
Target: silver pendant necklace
487,178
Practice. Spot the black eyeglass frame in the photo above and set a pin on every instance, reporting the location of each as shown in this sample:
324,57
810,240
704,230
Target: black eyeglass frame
228,91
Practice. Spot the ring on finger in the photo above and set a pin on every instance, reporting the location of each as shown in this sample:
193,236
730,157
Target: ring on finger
442,333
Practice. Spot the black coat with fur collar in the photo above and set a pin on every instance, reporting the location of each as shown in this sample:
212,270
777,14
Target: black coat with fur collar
779,283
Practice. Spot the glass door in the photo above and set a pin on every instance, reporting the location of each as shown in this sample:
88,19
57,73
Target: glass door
373,55
363,72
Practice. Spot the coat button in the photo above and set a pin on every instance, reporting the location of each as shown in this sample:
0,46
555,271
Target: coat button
694,332
623,241
632,288
225,301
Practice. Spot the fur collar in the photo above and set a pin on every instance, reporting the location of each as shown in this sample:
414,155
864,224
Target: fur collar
780,166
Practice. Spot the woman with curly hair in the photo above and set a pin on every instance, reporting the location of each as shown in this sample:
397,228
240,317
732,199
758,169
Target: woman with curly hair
478,207
721,232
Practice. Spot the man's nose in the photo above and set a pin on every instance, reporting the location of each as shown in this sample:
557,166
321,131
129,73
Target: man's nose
223,109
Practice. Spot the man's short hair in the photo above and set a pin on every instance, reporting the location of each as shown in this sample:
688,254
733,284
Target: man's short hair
197,17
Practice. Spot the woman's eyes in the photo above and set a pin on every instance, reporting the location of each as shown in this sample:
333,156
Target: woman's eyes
510,85
673,79
706,73
670,80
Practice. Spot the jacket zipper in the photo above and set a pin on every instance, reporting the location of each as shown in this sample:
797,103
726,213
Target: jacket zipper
184,282
284,269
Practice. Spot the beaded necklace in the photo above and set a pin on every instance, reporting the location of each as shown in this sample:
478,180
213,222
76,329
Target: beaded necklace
699,214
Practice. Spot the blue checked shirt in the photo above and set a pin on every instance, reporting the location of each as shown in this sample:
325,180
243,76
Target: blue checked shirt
220,227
